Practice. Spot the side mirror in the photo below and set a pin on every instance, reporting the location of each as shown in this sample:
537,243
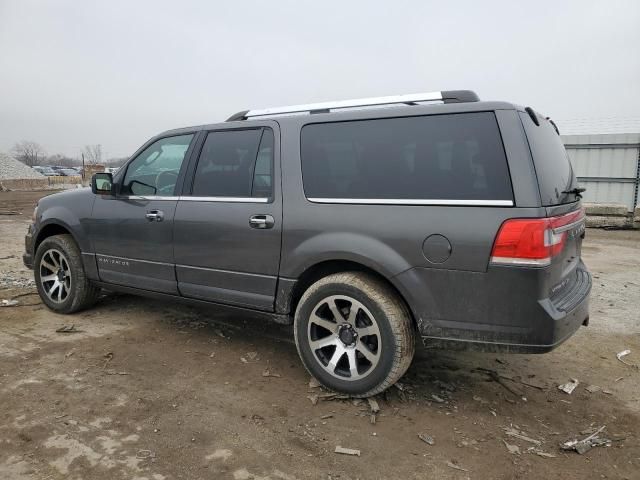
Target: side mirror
102,183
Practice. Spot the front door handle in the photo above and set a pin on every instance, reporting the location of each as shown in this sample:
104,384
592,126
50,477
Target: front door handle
154,215
261,221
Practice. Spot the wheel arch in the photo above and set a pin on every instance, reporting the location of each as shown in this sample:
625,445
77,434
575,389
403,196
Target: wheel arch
321,269
50,229
59,227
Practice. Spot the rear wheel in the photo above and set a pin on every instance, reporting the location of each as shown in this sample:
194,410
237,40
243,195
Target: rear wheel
60,278
354,334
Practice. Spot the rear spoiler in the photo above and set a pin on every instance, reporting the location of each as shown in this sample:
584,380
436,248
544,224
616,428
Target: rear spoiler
534,118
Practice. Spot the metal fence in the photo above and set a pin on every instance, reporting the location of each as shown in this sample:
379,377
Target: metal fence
607,165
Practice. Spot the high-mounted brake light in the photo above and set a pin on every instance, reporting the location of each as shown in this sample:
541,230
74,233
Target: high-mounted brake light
533,241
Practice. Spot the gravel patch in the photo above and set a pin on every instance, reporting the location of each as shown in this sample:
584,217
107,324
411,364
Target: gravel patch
12,169
15,280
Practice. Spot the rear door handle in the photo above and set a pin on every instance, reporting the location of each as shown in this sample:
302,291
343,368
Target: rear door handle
261,221
154,215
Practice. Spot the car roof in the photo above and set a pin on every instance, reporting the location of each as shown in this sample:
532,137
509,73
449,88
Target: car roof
357,114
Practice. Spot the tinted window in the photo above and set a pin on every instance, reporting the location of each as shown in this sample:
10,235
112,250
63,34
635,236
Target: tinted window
226,164
553,168
433,157
155,170
263,172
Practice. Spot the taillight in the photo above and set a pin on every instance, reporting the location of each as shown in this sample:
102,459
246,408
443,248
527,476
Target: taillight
533,241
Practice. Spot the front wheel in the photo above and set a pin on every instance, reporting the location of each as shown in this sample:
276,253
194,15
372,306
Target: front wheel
59,275
354,334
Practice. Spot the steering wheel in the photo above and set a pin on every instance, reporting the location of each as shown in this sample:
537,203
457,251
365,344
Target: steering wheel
169,186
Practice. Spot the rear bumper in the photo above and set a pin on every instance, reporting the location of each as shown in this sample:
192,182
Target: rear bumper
470,340
497,310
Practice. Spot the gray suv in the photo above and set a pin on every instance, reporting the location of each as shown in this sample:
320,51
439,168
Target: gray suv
363,223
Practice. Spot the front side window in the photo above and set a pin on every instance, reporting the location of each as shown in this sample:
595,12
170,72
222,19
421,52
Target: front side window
155,171
235,163
436,157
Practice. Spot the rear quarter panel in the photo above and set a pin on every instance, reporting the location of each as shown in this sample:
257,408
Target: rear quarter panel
389,238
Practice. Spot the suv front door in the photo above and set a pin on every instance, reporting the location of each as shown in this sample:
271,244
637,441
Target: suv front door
228,222
132,232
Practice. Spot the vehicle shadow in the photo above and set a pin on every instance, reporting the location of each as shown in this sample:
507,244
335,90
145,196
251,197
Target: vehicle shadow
434,372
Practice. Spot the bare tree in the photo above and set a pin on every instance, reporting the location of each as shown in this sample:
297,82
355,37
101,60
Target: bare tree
92,154
28,152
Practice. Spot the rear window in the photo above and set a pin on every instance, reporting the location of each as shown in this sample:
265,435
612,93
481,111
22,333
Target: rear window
436,157
553,168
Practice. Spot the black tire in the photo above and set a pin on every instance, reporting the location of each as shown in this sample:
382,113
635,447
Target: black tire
81,293
394,327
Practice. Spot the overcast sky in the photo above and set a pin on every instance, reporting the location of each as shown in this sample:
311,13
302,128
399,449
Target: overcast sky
117,72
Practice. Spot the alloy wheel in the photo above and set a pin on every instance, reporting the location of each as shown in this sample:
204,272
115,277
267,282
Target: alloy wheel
55,275
344,337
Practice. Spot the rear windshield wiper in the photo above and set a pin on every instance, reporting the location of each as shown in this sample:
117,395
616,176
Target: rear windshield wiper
576,191
555,127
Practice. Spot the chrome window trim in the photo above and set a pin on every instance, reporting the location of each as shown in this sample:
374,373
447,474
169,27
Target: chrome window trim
411,201
147,197
225,199
199,199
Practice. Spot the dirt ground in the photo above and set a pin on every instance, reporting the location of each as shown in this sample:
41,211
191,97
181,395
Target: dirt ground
149,390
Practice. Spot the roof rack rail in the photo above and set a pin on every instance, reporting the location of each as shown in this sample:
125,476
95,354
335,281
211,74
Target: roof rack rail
446,96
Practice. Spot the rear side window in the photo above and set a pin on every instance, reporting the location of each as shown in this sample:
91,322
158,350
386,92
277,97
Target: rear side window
553,168
263,171
436,157
235,163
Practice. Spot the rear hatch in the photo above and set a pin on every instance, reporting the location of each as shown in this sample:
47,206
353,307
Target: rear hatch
560,195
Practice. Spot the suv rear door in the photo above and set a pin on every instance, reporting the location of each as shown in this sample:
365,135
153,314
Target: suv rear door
228,222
